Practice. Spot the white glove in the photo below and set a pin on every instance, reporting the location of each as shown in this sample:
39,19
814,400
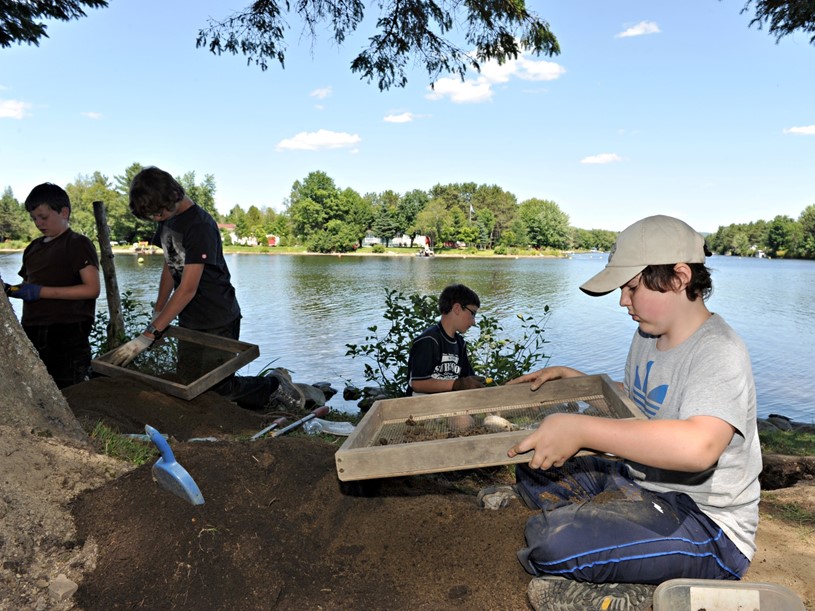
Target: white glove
129,351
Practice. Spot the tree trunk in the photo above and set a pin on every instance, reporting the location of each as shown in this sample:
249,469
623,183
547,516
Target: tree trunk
29,398
116,325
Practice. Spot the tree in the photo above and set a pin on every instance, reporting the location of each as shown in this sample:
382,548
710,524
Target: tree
411,204
807,220
360,214
15,224
783,235
313,203
546,225
406,32
124,225
502,204
784,16
433,220
19,19
83,192
203,194
386,223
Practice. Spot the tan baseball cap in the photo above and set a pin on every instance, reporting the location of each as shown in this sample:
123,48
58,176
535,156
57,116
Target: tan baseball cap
655,240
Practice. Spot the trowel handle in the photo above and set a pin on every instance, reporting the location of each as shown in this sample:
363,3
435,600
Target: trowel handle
161,443
273,425
315,413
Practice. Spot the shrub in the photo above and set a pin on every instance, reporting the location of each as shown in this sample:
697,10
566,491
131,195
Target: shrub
491,355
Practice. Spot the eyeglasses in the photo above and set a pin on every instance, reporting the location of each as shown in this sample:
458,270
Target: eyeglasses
469,310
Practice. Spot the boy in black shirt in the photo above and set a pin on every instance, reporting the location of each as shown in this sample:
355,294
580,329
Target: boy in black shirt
438,359
196,286
60,275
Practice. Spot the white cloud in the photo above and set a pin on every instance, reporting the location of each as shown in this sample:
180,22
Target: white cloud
480,88
321,93
602,158
461,92
405,117
641,29
14,109
540,70
320,140
92,115
806,130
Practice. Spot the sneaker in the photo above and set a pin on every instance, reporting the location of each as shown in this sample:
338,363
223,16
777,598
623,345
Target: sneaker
497,497
287,395
552,593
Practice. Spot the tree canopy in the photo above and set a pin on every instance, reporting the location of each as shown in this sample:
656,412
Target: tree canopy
424,32
21,21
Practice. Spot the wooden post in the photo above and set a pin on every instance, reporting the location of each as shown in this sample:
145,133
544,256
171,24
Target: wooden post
116,325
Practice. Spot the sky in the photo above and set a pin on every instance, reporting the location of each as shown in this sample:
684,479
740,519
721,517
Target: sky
675,108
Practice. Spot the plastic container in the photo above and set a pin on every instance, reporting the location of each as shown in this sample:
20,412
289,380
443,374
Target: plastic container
714,595
315,426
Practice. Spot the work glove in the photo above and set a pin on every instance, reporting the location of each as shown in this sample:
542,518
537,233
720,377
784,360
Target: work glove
468,383
24,291
129,351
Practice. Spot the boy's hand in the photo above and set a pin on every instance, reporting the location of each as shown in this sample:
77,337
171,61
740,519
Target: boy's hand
24,291
468,383
554,441
129,351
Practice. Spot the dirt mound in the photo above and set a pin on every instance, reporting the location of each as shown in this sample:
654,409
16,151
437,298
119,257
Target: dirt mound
276,531
126,406
38,540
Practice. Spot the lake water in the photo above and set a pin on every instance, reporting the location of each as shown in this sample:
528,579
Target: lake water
303,310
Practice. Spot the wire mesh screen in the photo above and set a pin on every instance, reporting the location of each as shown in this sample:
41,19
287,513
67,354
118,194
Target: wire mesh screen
179,361
497,419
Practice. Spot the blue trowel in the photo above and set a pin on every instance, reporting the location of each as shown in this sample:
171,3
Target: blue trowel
169,474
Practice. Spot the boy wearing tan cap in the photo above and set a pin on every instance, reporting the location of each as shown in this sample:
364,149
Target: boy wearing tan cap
683,499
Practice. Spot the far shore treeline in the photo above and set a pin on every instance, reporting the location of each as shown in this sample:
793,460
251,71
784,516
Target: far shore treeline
321,217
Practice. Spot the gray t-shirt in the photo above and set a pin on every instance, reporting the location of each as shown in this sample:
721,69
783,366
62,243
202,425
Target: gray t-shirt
709,374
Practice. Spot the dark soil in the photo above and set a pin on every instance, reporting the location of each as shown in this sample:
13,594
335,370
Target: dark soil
277,529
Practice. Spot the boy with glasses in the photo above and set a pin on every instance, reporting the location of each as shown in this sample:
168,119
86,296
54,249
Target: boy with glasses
438,359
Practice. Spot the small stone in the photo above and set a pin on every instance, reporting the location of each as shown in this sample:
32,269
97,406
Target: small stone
62,588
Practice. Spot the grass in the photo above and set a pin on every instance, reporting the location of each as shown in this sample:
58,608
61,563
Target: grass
791,513
110,443
791,443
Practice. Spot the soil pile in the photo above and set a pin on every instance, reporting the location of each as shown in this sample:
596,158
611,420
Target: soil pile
277,530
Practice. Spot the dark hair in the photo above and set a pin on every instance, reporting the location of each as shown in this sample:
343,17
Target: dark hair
662,278
49,194
153,191
457,294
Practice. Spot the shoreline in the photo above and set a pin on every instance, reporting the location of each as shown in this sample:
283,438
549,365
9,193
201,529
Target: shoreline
339,255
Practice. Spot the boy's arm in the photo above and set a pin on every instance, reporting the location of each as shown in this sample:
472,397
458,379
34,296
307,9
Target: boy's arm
430,385
544,375
186,290
165,288
88,288
172,307
691,445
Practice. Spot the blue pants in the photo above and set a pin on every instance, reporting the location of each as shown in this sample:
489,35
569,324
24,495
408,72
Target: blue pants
599,525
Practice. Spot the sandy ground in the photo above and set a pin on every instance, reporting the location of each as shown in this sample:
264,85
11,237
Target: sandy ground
277,529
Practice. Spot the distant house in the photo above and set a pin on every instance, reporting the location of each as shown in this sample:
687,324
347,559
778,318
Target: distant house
228,229
272,240
402,241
